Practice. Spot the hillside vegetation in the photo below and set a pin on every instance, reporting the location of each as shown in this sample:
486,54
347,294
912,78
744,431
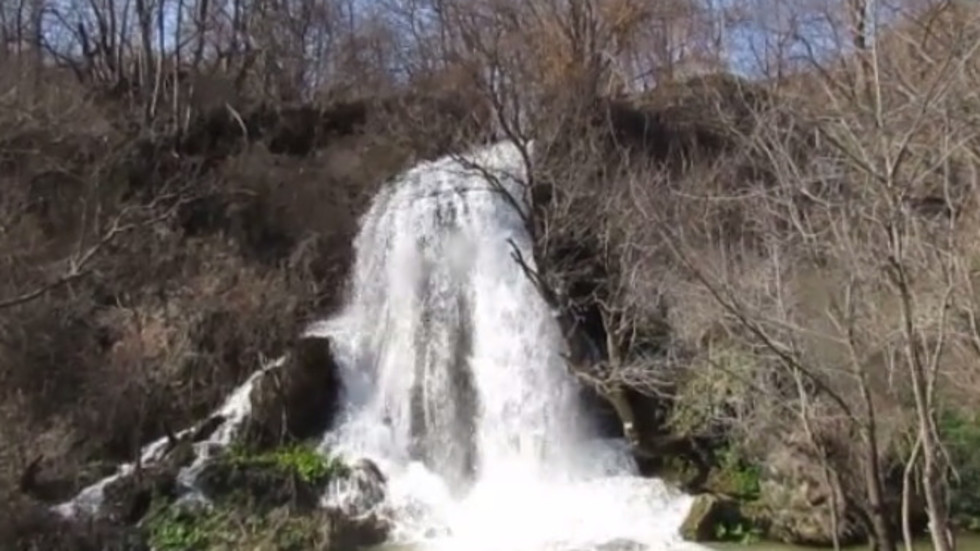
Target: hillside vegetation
772,281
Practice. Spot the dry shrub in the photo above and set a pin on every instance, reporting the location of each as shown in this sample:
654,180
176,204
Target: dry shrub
27,526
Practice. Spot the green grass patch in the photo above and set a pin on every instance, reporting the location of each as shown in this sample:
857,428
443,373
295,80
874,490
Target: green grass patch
170,529
229,527
302,460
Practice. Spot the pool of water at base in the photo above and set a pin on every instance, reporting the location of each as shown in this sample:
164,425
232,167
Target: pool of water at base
964,542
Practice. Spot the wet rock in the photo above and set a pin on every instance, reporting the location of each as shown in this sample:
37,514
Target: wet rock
297,400
361,490
355,518
621,545
207,428
352,532
708,516
128,498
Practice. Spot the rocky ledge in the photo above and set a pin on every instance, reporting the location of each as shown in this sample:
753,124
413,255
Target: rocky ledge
267,500
779,494
247,477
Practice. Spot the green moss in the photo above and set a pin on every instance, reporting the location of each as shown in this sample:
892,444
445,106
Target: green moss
736,475
230,526
250,510
170,529
961,434
738,478
300,459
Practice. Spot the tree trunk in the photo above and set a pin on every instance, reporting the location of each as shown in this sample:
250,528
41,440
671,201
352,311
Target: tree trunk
922,377
145,20
884,536
931,482
906,494
883,539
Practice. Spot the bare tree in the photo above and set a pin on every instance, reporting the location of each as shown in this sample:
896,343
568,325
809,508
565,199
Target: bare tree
876,206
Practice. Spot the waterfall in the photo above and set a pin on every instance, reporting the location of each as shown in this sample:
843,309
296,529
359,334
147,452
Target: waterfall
455,384
456,396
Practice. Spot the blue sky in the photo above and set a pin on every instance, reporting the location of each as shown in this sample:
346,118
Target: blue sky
745,43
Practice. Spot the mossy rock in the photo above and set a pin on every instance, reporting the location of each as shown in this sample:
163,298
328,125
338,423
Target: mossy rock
294,476
232,525
735,476
271,501
715,518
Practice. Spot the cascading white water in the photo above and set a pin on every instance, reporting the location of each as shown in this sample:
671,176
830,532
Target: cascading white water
455,383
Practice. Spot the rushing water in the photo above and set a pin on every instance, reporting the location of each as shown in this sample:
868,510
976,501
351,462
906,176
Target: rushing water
455,383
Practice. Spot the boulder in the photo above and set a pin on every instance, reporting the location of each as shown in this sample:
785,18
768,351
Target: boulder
128,498
795,500
352,532
297,400
710,516
795,515
273,500
361,490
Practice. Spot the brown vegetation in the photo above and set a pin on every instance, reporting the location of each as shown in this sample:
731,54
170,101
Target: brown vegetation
146,274
797,279
782,263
